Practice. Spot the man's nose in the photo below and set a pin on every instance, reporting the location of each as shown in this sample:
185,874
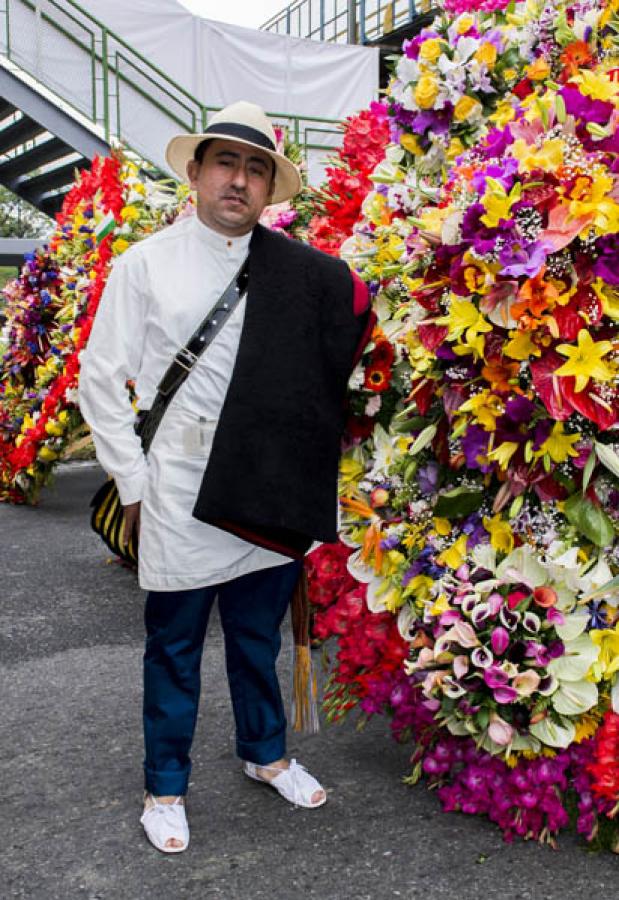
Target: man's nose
240,177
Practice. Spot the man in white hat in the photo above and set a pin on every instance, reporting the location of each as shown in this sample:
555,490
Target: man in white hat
241,476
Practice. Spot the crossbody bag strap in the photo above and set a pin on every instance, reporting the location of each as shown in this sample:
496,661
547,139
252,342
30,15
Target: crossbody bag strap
188,356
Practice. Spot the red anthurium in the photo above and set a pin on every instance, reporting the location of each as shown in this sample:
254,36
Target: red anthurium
432,336
590,404
550,387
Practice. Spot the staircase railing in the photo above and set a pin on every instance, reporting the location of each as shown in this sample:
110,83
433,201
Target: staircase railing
342,21
91,68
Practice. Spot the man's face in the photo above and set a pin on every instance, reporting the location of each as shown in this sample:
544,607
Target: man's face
233,183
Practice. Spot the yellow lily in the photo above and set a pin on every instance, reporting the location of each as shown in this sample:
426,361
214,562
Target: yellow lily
585,361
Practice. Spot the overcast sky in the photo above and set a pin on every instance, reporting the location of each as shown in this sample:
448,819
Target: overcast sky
251,13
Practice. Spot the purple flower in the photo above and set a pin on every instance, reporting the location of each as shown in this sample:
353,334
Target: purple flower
584,108
495,677
437,121
499,640
475,447
479,235
496,143
606,265
505,694
427,478
518,261
519,410
481,657
503,173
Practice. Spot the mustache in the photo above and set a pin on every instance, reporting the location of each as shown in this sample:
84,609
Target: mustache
235,195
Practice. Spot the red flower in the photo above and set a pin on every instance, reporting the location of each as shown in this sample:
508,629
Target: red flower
377,378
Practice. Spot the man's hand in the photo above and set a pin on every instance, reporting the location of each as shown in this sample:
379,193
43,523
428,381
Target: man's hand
131,522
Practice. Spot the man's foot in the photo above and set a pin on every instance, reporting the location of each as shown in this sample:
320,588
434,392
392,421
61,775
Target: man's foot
165,823
291,780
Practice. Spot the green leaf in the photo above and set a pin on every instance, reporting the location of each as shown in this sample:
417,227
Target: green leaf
423,440
458,503
590,520
607,457
588,470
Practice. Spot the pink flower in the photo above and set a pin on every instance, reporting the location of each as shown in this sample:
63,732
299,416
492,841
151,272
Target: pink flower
499,640
500,731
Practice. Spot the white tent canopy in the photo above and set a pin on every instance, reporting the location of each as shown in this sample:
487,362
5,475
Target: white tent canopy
219,63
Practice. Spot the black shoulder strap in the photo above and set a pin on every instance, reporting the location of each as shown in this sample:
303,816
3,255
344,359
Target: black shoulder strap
188,356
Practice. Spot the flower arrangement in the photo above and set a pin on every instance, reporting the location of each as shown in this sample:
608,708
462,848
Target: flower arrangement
480,480
50,310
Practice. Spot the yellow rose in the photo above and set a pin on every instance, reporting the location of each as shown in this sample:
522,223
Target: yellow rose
426,91
119,245
465,107
47,454
430,50
464,24
53,428
487,54
129,213
456,147
410,143
538,70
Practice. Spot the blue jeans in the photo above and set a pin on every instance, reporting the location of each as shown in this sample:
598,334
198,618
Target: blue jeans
251,609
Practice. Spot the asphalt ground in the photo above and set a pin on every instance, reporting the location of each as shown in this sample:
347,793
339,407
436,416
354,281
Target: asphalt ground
71,749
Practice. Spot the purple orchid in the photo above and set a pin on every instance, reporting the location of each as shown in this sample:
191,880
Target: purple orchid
524,260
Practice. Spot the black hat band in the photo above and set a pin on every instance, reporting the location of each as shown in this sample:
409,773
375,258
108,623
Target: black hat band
243,133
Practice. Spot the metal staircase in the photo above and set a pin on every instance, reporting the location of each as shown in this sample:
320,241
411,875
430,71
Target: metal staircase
41,146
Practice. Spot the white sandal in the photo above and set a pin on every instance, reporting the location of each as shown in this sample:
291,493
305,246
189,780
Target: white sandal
295,783
163,821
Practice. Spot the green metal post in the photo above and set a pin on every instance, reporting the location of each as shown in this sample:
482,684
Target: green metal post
8,31
93,75
106,85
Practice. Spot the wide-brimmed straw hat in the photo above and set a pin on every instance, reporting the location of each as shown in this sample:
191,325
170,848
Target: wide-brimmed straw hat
245,123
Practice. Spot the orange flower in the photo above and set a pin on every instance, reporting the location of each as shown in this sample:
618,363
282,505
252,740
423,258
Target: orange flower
545,597
499,374
575,56
537,296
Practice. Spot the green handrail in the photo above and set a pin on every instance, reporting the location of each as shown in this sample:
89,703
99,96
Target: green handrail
115,64
369,22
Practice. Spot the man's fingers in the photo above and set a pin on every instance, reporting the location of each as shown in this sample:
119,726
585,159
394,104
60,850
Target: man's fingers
131,522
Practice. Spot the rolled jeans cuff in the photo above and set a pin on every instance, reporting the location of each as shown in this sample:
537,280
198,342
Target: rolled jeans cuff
262,753
166,784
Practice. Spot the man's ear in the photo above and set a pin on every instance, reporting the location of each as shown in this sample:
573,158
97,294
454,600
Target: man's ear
193,169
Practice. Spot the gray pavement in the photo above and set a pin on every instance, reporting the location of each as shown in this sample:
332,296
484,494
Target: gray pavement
70,760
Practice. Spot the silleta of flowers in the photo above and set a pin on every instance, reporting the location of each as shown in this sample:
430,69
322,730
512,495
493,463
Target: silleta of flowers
480,488
50,310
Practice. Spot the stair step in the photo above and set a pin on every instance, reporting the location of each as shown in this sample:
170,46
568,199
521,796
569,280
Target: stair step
18,133
6,108
33,189
51,205
13,169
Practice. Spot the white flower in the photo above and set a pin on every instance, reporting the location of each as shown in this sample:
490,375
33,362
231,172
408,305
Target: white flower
373,405
357,378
